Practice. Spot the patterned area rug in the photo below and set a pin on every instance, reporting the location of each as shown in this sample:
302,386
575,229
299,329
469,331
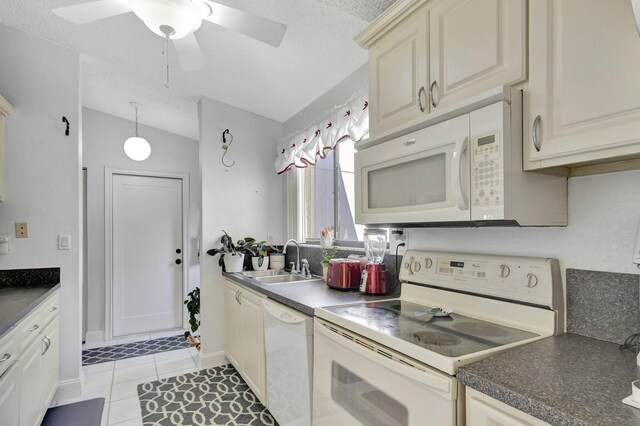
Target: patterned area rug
131,350
217,396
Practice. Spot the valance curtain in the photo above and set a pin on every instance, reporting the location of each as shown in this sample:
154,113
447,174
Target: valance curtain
348,121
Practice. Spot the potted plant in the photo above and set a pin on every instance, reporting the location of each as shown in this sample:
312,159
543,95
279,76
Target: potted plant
327,255
193,306
259,260
232,255
276,258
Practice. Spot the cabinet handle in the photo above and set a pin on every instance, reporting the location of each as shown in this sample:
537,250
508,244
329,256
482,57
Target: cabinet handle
420,93
34,328
410,142
239,297
53,309
534,133
5,357
431,98
47,343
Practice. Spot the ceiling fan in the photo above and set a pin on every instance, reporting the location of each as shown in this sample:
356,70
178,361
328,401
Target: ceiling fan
177,20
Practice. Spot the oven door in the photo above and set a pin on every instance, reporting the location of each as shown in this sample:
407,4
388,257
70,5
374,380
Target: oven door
356,381
420,177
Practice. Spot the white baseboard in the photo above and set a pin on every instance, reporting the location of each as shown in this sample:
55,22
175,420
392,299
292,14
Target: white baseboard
214,359
68,389
94,337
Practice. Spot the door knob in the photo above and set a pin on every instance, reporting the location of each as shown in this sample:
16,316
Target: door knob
178,261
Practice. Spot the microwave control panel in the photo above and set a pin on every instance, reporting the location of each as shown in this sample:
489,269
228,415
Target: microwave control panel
487,187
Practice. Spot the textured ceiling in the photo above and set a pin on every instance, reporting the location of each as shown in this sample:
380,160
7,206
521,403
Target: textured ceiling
123,61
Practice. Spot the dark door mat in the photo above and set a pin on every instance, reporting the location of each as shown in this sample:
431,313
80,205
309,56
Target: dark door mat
216,396
83,413
132,350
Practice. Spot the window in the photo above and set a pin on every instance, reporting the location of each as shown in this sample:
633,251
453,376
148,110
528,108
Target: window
329,195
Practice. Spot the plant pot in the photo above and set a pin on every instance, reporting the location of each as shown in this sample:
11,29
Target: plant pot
276,260
233,262
325,272
256,267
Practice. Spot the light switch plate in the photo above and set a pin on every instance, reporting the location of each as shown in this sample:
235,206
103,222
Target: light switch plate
64,242
5,244
22,230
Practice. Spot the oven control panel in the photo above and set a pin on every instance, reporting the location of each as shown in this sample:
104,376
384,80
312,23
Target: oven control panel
525,279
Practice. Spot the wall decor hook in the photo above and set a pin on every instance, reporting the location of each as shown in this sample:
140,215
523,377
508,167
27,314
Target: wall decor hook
64,120
227,139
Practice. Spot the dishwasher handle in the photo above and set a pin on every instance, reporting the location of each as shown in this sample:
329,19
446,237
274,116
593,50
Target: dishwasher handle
283,315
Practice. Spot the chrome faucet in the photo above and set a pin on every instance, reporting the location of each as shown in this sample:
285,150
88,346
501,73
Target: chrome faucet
294,268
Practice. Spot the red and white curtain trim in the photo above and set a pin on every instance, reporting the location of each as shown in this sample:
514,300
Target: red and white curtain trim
348,121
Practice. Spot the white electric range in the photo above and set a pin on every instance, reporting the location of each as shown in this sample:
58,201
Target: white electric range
391,362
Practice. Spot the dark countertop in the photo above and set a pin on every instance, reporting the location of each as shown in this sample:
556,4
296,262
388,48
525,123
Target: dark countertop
562,380
305,296
17,302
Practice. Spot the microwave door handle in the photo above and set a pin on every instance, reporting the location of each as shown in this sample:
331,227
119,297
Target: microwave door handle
456,169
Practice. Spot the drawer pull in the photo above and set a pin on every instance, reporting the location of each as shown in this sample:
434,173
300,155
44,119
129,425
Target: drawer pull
34,328
410,142
53,309
5,357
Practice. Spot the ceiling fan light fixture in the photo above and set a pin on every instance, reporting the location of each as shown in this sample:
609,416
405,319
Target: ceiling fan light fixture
182,16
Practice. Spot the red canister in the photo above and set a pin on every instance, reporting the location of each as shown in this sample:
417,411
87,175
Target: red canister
344,274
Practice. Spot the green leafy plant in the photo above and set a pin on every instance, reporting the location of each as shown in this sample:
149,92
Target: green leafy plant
259,250
328,254
228,247
193,306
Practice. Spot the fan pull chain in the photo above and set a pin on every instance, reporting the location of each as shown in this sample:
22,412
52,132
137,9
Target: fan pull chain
167,85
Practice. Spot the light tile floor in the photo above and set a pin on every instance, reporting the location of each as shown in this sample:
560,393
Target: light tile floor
117,381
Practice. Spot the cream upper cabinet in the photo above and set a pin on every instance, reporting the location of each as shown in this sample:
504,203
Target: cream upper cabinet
476,45
5,109
399,74
582,103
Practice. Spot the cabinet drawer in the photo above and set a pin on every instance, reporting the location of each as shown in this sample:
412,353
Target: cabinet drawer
9,350
49,309
29,328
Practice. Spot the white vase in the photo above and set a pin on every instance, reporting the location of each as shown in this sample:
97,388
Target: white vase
277,261
233,262
256,267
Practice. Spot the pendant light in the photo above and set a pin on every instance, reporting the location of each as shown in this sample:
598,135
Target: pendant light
137,148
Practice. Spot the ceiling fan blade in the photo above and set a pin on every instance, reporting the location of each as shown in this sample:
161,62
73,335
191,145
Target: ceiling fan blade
189,53
84,13
262,29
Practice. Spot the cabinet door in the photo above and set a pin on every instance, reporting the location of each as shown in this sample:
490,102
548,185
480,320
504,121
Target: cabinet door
476,45
584,92
253,350
31,394
483,410
231,323
398,74
51,337
10,395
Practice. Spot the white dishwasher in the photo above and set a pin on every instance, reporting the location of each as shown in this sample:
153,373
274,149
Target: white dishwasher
288,339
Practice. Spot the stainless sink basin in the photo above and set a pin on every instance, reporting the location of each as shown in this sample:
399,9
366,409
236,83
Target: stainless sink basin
283,279
267,273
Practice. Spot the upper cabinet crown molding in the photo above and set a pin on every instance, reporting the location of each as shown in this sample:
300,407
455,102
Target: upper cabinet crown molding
5,107
396,13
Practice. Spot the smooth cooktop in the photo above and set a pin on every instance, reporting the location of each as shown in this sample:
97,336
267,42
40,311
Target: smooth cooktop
452,336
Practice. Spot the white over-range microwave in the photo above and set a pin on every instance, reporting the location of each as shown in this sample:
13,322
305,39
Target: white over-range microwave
465,170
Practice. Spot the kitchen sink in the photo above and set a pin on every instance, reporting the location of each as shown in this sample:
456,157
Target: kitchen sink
267,273
283,279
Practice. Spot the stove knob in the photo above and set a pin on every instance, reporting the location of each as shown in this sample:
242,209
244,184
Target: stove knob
428,263
532,280
504,271
417,266
406,265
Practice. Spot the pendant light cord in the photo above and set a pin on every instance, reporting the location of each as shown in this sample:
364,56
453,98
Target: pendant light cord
136,106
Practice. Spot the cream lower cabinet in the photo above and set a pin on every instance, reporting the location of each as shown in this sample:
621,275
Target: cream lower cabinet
582,101
244,337
29,366
483,410
475,45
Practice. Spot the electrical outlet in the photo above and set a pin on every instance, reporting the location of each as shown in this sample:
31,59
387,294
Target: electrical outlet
22,230
398,237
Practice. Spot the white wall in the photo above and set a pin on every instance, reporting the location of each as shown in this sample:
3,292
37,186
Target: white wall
603,218
244,200
43,173
103,138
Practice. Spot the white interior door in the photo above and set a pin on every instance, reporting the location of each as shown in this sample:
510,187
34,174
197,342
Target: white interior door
146,247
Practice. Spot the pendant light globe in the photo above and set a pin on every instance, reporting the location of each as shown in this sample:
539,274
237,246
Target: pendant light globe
137,148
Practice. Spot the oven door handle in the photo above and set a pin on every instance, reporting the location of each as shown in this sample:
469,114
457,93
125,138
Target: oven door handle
431,379
456,169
